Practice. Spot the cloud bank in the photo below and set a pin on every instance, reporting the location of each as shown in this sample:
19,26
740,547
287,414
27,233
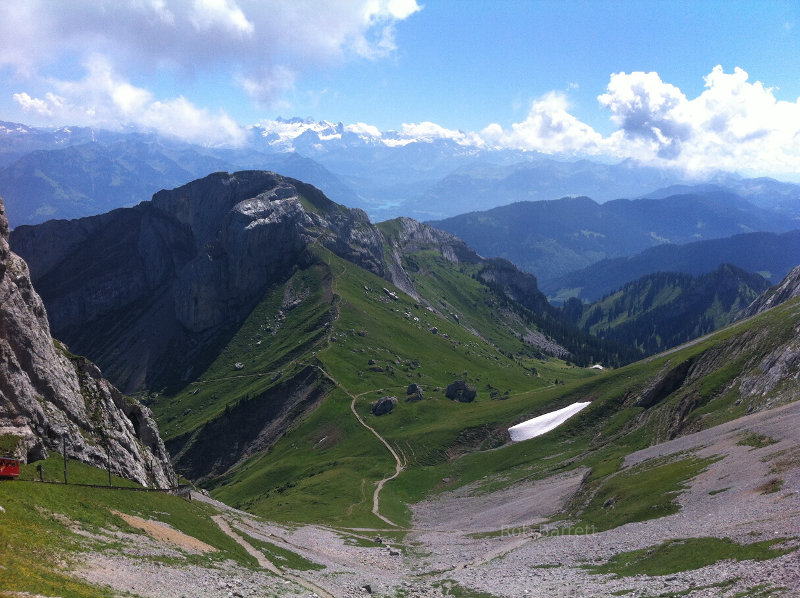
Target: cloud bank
733,125
85,62
261,46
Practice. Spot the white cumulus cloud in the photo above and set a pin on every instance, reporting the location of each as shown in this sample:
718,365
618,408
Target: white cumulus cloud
363,129
264,46
428,131
549,128
103,98
735,124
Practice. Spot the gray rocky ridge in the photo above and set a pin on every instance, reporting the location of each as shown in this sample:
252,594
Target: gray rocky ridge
146,290
787,289
49,396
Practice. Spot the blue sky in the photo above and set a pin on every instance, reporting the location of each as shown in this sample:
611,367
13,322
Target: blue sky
464,64
653,80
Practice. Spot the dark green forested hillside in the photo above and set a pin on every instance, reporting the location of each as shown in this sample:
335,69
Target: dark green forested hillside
665,309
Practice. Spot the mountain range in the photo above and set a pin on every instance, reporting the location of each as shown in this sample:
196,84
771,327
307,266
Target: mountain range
553,238
666,309
772,255
329,375
159,296
78,171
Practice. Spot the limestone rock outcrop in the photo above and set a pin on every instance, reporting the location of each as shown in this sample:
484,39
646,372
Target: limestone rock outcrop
50,397
460,391
146,290
788,288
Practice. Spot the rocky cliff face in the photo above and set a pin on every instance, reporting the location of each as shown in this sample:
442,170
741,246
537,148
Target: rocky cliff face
405,236
49,396
753,366
147,290
789,288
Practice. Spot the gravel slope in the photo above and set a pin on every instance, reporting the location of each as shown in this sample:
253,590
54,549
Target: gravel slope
520,563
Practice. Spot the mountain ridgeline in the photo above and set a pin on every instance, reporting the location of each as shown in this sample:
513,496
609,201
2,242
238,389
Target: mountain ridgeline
80,171
772,255
166,295
554,238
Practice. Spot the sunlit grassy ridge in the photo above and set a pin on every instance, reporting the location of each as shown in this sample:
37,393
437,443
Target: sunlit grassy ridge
372,340
324,469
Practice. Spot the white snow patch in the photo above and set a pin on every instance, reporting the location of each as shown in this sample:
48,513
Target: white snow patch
544,423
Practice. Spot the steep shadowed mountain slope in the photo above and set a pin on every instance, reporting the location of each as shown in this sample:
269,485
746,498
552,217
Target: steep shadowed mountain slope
662,310
144,289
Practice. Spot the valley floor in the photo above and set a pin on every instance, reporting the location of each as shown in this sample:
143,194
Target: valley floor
464,543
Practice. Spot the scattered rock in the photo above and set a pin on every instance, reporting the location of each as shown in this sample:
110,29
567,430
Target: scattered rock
238,365
414,392
461,391
383,405
366,588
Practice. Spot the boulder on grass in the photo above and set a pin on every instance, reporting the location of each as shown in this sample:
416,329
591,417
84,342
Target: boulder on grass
384,405
461,391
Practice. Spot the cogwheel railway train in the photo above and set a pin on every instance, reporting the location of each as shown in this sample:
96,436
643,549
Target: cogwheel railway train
9,468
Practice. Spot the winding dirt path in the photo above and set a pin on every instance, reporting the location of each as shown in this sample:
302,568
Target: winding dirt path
398,464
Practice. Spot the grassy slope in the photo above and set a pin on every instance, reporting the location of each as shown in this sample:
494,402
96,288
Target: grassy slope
40,523
601,435
325,467
662,310
267,344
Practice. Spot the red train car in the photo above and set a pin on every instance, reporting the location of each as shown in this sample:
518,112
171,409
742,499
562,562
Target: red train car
9,468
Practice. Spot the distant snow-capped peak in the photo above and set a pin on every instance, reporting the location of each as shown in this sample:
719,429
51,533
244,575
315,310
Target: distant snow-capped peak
284,134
